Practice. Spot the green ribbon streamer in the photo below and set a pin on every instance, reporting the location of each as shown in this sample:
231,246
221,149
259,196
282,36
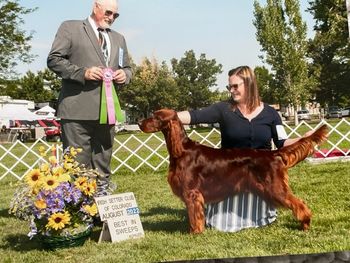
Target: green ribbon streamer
103,111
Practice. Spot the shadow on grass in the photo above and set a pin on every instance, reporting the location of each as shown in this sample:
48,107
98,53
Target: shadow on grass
5,213
178,224
20,242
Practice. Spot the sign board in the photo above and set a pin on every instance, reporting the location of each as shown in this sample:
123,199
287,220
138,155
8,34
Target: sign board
122,215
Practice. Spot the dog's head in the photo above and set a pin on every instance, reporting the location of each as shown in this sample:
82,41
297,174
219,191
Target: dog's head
159,121
168,122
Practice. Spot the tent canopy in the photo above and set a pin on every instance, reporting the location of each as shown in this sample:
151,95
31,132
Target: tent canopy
46,111
19,114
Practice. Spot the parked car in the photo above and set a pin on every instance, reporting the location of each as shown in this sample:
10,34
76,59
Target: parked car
52,129
345,112
333,112
303,115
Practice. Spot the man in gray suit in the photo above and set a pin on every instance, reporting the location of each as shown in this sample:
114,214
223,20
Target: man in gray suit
81,51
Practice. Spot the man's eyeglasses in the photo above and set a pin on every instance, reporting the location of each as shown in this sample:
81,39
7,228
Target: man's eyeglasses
108,13
235,86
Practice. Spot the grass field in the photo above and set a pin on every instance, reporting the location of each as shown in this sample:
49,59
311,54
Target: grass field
324,187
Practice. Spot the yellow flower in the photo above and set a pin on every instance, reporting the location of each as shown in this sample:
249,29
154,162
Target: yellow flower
33,177
42,151
91,209
50,182
57,171
36,188
53,160
90,189
67,165
58,220
45,168
65,177
81,183
40,204
74,151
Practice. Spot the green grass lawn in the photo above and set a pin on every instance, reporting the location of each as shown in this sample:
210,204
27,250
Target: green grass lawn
324,187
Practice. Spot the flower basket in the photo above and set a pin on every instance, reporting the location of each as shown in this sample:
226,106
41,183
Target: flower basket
57,198
57,242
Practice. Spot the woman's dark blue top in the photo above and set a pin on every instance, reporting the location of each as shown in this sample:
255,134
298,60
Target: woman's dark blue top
239,132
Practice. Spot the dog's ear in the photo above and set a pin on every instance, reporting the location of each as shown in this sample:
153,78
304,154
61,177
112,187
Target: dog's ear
176,139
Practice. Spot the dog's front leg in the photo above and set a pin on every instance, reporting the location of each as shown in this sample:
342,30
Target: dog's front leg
195,208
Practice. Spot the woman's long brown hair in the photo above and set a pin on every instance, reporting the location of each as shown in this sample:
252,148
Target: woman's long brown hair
250,85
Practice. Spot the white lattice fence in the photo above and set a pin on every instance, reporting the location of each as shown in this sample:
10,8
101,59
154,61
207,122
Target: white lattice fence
139,150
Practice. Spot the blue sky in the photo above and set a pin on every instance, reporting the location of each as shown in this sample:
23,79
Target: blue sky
163,29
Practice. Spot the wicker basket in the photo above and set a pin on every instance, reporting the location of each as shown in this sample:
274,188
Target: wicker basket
55,242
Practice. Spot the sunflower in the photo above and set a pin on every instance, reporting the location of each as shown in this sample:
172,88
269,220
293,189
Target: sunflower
90,188
91,209
40,204
33,177
58,220
50,182
81,183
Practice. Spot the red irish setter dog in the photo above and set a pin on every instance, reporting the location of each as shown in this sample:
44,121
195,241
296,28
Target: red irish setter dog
199,174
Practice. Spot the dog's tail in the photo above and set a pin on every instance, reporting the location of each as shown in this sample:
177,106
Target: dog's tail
298,151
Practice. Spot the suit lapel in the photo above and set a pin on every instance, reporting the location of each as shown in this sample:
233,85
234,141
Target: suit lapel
94,41
113,49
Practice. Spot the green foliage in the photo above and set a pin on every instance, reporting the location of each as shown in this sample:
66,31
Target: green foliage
330,52
51,80
155,86
40,87
324,187
267,88
282,36
14,42
194,78
152,88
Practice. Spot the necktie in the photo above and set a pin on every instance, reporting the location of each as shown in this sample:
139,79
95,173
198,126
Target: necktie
103,44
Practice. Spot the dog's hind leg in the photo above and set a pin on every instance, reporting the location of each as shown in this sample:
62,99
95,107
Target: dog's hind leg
195,208
299,208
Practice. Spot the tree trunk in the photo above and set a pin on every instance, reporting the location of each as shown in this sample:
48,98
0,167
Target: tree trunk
348,11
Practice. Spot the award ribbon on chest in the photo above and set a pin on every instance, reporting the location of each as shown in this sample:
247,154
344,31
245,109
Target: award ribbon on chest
110,111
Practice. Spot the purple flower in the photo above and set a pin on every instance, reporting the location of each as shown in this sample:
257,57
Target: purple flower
75,195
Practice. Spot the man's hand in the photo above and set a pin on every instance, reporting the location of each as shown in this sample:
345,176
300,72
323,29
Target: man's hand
119,76
94,73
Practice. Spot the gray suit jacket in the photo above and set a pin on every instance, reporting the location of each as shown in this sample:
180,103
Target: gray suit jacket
75,49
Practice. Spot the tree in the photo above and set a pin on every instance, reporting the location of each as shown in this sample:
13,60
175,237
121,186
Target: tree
194,78
330,52
14,42
266,84
52,81
282,36
152,88
31,87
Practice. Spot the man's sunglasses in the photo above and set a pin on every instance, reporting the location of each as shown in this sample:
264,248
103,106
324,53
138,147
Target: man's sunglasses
108,13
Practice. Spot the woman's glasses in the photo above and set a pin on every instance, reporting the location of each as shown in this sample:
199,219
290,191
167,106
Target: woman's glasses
235,86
